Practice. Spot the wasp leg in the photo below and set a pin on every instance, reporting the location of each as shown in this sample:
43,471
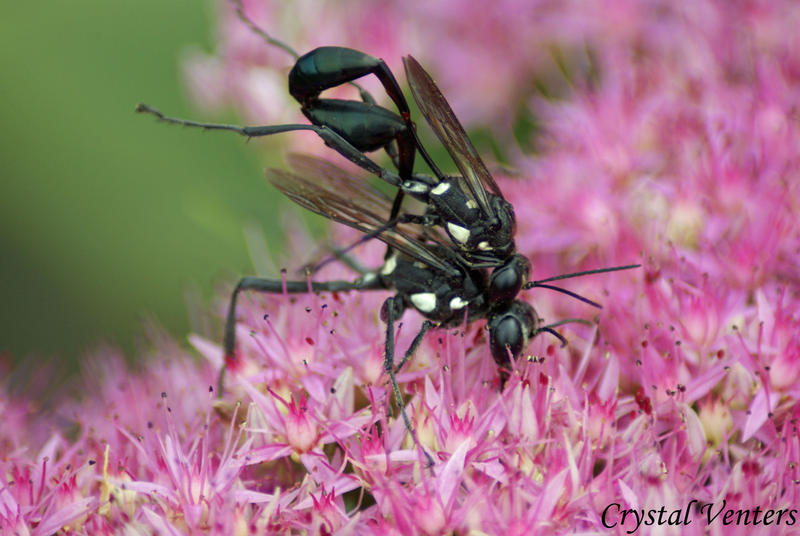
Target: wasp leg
393,89
339,254
549,328
272,41
555,334
412,349
278,286
330,137
336,254
388,365
258,31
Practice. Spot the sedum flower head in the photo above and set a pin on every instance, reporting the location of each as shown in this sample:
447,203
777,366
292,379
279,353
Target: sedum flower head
662,135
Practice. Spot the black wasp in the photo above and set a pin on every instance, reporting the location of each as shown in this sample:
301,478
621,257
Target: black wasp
437,262
479,223
469,208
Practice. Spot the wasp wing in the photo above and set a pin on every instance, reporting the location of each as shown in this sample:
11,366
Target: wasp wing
451,134
327,177
332,192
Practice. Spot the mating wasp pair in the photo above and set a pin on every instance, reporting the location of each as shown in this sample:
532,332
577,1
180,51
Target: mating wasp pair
455,261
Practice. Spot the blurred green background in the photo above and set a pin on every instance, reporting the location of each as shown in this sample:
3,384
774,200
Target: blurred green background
107,216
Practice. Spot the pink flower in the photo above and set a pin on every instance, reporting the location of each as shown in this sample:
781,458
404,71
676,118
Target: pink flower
632,132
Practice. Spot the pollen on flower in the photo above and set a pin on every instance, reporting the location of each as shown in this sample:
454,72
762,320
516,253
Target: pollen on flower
301,427
659,135
461,430
717,422
431,518
370,369
685,223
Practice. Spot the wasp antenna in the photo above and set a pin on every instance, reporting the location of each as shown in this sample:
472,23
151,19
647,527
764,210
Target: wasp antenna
578,274
537,284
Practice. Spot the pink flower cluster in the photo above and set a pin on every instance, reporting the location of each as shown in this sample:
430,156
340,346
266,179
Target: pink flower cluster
667,134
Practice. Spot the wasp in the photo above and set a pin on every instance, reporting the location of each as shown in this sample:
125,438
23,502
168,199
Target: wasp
455,261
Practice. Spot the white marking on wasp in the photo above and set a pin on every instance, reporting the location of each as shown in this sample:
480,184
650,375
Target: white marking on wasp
425,302
484,246
471,204
389,265
457,303
415,187
441,188
459,234
368,278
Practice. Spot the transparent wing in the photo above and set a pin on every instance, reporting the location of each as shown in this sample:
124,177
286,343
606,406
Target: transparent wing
330,191
335,181
451,134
